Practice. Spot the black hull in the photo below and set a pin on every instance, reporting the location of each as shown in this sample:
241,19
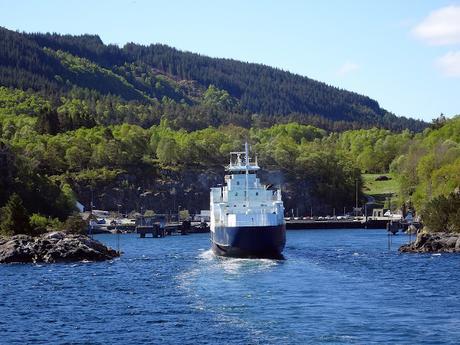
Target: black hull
249,242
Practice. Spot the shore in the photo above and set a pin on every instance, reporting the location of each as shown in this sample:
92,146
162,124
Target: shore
438,242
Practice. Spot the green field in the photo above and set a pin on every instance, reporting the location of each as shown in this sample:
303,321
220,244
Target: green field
380,190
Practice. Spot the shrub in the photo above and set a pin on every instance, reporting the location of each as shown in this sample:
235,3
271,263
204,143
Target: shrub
442,214
149,213
41,224
75,225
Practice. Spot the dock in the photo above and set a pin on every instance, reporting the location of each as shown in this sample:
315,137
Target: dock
160,229
155,230
301,224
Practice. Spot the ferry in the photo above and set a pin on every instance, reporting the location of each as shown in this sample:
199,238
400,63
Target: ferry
247,217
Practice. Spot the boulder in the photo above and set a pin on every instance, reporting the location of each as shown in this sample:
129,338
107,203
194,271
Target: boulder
17,249
438,242
54,247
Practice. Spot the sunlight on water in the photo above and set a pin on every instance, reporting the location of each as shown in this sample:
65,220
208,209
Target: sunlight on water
336,287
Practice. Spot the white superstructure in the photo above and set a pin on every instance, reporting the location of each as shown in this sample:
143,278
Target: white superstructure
243,201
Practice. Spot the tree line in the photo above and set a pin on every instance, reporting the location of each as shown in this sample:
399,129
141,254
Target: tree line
157,76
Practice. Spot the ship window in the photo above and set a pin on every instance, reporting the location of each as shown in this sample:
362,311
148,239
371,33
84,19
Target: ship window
257,193
237,183
236,194
244,205
234,205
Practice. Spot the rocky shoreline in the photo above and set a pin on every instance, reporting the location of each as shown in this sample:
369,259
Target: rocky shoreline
438,242
53,247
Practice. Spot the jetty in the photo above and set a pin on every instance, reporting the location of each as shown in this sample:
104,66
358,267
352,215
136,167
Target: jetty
354,223
158,226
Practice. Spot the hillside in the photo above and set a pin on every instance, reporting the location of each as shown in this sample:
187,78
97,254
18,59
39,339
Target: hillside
196,90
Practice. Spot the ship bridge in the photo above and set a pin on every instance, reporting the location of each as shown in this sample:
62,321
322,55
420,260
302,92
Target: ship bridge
240,162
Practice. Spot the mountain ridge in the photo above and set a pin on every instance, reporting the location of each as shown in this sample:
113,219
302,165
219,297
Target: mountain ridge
157,74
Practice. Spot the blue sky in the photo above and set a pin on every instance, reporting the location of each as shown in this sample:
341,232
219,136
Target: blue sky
405,54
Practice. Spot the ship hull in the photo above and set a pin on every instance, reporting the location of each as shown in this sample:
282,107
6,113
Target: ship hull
250,241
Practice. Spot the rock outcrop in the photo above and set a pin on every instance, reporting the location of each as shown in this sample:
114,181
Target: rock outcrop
437,242
53,247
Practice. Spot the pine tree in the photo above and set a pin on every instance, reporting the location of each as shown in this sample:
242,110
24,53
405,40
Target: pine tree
47,122
14,219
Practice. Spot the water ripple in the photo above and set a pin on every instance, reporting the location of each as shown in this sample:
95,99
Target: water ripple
335,287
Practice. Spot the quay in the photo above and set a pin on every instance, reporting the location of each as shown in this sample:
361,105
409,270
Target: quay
370,223
158,227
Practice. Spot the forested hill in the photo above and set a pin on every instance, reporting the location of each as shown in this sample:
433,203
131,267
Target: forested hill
190,90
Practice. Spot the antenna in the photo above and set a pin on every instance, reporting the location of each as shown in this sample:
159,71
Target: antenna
246,151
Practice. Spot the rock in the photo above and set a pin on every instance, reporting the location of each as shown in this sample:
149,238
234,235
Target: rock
16,249
457,245
54,247
439,242
54,235
411,229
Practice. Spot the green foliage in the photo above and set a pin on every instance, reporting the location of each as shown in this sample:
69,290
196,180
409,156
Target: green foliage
139,84
167,151
217,98
373,149
41,224
430,166
101,116
184,215
329,177
149,213
14,218
22,169
74,224
438,122
38,223
18,102
442,213
87,74
47,122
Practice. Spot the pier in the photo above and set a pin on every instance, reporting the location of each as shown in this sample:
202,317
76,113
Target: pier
357,223
155,230
158,227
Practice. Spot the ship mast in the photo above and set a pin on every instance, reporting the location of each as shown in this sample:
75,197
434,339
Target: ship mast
246,152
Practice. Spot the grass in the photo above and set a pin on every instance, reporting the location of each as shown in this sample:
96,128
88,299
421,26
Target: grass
373,187
380,190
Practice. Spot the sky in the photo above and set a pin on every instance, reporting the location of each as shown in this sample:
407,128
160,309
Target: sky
404,54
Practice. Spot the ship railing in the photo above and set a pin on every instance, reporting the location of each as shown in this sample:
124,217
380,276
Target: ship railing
272,198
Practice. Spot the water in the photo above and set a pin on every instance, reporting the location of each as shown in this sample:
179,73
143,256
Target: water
335,287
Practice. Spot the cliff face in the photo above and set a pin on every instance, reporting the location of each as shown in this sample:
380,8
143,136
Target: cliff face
166,191
163,192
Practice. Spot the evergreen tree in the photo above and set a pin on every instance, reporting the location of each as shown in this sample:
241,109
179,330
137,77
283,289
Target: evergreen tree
14,219
47,122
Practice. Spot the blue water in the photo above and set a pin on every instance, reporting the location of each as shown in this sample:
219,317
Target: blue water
335,287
